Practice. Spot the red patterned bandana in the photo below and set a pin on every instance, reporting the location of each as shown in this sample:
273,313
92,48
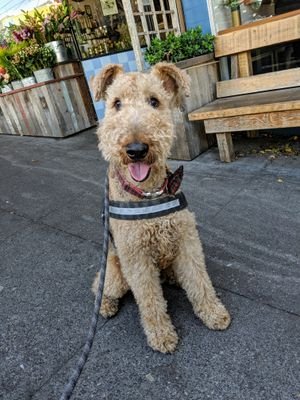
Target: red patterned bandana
170,185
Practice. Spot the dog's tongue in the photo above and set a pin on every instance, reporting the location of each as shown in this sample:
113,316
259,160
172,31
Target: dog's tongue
138,171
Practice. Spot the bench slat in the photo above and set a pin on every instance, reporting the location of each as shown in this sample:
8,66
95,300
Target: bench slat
272,120
277,100
280,29
259,83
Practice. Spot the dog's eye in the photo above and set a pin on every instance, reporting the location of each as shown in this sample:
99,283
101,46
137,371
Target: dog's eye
117,104
153,102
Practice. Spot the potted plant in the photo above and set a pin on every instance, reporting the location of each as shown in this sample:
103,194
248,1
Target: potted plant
43,61
192,51
234,6
23,61
4,81
7,52
54,25
175,48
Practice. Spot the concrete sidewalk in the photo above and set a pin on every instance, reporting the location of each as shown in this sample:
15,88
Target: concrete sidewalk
50,244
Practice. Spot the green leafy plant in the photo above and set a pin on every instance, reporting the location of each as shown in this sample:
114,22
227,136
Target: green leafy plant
191,43
7,54
44,57
233,4
32,58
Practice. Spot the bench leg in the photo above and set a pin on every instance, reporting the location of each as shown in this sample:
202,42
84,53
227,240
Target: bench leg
225,146
252,134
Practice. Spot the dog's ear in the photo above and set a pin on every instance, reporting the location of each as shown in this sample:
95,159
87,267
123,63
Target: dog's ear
105,78
175,80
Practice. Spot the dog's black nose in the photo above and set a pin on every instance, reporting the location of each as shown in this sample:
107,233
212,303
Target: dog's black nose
137,151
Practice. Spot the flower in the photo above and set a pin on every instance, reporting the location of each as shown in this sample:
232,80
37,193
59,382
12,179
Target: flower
6,78
57,21
44,27
7,55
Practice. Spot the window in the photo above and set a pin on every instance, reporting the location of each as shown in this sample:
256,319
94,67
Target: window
100,28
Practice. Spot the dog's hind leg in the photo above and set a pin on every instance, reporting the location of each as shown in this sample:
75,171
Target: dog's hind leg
190,271
114,288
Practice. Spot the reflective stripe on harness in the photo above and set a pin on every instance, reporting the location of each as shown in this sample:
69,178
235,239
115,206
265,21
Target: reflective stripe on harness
131,210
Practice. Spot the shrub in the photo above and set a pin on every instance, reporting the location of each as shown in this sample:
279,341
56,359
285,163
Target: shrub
191,43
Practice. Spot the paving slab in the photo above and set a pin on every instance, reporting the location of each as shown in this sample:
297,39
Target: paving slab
257,358
46,303
248,215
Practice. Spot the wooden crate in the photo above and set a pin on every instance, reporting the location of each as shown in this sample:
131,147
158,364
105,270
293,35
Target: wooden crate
190,140
69,68
56,108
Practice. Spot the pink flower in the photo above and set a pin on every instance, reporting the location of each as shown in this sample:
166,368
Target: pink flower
17,37
74,14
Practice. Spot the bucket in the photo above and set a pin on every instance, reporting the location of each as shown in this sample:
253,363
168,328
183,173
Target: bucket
28,81
60,50
17,84
43,75
6,88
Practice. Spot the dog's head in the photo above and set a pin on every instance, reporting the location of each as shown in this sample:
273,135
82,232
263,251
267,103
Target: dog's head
137,131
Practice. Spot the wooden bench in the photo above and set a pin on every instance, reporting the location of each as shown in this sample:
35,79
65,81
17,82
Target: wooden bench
248,102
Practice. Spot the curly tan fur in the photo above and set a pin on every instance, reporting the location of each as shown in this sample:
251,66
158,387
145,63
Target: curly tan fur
143,248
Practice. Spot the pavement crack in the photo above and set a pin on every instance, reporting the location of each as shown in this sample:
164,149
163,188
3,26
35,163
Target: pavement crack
39,222
76,353
257,301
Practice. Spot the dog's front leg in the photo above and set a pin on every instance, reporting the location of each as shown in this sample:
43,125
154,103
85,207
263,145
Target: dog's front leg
115,285
144,280
190,271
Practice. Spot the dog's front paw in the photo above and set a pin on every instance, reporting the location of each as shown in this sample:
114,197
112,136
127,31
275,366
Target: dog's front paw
215,316
163,340
109,307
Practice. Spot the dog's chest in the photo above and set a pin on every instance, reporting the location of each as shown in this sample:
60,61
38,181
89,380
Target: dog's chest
156,239
162,242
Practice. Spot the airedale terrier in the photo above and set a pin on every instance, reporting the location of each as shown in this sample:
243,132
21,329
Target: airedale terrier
152,229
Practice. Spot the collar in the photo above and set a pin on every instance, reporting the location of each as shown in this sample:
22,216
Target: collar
170,185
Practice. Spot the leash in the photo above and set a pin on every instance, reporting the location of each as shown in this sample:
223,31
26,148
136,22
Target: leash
70,386
124,210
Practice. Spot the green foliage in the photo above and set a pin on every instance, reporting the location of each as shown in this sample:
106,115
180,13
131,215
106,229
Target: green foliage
44,58
232,4
7,53
33,58
191,43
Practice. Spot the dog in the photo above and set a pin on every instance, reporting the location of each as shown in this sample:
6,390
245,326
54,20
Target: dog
135,137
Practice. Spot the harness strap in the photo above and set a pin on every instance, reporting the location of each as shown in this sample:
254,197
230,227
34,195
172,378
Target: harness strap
133,210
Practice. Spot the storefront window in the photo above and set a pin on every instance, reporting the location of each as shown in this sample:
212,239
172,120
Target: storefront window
249,11
269,59
101,27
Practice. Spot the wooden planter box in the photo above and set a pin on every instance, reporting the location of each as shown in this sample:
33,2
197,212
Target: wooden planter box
191,139
56,108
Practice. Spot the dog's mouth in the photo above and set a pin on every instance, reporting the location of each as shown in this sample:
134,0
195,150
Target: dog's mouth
139,171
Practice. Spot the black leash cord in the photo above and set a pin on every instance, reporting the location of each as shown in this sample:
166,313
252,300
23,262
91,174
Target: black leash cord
70,386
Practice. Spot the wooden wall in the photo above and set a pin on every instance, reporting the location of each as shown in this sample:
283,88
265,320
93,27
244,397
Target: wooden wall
57,108
190,139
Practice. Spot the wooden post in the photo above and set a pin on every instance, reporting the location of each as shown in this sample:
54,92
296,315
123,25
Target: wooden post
245,70
245,64
225,146
133,35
